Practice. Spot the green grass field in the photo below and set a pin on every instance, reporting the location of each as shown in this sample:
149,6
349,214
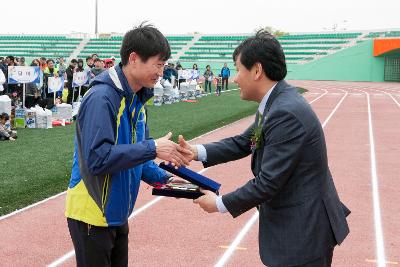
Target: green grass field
38,164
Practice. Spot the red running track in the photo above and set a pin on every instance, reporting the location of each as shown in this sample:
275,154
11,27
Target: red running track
177,233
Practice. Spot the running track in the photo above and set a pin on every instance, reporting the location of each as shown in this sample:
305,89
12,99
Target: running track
362,128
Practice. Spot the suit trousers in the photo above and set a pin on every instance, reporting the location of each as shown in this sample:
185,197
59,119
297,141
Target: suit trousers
324,261
99,246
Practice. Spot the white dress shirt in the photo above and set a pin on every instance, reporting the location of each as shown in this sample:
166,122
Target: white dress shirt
202,153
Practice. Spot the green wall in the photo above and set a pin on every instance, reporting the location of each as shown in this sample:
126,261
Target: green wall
356,63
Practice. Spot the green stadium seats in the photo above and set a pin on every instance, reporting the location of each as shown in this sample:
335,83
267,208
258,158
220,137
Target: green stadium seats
32,46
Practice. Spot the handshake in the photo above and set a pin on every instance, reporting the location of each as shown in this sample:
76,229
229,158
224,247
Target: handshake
180,155
177,154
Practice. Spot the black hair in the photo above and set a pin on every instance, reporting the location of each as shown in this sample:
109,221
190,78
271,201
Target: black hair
95,55
146,41
265,49
96,60
4,116
74,60
49,60
88,58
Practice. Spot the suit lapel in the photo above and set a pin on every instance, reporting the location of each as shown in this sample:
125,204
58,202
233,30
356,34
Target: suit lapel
257,155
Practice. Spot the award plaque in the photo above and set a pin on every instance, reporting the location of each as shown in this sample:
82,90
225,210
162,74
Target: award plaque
190,190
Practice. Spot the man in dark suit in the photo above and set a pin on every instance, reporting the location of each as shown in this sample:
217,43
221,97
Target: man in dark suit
301,216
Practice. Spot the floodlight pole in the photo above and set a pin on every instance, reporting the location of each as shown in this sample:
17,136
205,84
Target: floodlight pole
96,20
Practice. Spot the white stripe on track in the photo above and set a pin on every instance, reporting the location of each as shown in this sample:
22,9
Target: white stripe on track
231,249
31,206
237,240
316,99
380,247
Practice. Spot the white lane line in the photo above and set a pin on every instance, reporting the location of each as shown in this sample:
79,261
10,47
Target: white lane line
228,253
62,259
71,253
390,95
334,110
232,247
62,193
380,247
318,97
31,206
375,194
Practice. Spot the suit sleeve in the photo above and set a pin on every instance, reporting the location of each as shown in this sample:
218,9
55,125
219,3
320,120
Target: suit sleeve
97,122
284,138
229,149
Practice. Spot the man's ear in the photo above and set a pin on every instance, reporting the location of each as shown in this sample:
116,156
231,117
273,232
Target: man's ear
258,71
133,57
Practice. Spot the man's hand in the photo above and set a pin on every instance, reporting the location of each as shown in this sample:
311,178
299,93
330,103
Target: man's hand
208,201
171,152
186,145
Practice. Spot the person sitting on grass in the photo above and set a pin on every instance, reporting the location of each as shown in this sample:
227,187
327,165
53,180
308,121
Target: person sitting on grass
5,133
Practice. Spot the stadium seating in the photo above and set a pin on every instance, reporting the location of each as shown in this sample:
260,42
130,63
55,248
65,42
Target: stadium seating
207,49
110,47
33,46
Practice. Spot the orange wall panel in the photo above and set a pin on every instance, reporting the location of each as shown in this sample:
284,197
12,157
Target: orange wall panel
382,46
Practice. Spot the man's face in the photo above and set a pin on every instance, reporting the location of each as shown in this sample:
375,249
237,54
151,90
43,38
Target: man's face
147,73
244,79
89,62
98,64
225,65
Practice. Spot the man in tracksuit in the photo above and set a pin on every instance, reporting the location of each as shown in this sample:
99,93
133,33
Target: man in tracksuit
113,151
225,73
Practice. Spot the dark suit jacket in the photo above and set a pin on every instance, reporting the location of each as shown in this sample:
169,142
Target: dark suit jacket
301,216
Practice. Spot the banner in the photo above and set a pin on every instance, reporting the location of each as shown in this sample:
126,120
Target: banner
184,74
79,79
195,74
55,84
23,74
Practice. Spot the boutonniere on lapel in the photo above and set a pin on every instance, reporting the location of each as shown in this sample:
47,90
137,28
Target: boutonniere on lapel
256,137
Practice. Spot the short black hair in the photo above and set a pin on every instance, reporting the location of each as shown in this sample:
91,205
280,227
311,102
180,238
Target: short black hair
265,49
49,60
4,116
88,58
74,60
146,41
